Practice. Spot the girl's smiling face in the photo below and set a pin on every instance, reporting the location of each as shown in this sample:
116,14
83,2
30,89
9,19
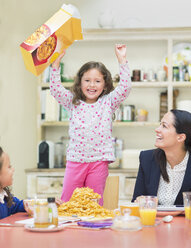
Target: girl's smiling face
92,85
6,172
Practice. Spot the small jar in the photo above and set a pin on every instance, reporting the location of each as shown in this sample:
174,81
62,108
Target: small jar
136,75
41,217
126,222
52,211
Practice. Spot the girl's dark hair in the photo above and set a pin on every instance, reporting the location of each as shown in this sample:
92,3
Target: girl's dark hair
76,89
182,124
9,198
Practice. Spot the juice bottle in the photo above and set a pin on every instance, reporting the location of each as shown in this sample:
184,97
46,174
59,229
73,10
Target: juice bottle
52,211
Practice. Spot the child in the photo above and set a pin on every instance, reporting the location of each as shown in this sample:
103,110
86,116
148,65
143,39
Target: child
8,204
91,103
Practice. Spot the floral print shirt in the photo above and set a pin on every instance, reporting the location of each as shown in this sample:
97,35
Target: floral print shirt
90,128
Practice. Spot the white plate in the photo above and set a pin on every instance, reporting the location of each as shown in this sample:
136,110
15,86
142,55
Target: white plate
32,228
165,213
169,208
65,219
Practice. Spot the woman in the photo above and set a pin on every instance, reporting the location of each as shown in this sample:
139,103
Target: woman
166,171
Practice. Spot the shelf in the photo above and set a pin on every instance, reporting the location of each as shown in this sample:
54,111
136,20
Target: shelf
55,124
115,124
150,84
46,85
118,170
181,84
137,34
134,84
135,124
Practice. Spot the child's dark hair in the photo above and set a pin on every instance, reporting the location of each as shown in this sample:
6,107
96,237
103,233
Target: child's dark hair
9,197
76,89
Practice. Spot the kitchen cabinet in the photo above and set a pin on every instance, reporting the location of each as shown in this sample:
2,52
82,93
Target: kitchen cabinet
147,49
42,183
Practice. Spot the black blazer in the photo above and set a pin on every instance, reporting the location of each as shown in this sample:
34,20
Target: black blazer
148,177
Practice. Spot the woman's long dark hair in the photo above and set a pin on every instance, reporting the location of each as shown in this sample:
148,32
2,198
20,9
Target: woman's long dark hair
9,197
182,124
76,89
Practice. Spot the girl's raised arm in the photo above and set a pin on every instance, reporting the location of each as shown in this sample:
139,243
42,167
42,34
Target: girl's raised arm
121,53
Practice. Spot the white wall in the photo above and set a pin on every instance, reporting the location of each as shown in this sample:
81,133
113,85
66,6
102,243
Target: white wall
18,19
137,13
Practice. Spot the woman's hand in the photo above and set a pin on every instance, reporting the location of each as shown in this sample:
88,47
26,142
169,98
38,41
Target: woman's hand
56,63
138,198
121,53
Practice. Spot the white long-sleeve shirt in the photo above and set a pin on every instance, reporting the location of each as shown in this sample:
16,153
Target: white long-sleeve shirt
90,128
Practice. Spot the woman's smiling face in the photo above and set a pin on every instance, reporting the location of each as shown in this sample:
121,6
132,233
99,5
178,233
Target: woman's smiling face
166,135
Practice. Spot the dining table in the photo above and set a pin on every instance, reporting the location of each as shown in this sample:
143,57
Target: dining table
176,234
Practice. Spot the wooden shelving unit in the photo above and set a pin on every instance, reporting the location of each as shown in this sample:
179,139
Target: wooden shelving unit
98,37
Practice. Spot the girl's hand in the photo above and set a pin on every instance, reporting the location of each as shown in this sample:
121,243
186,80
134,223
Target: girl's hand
28,206
58,202
56,63
121,53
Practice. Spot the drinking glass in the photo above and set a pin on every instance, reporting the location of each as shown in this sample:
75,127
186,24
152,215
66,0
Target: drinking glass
187,204
134,207
148,209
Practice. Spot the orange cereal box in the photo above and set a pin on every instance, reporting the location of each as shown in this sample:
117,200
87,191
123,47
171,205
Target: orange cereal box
41,48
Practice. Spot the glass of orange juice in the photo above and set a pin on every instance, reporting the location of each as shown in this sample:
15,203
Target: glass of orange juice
134,207
187,204
148,209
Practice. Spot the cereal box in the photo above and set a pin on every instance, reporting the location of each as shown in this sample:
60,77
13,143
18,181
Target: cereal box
41,48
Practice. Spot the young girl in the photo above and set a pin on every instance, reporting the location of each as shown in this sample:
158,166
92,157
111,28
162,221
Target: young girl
8,204
91,104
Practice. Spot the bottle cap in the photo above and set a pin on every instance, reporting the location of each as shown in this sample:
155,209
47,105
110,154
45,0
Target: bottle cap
51,199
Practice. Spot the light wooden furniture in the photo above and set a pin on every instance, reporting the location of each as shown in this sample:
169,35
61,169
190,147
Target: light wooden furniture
111,193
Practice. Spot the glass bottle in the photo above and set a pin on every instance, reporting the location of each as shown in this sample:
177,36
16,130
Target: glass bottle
52,211
41,219
59,154
186,75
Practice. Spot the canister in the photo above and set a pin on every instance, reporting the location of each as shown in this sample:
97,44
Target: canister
118,114
128,112
136,75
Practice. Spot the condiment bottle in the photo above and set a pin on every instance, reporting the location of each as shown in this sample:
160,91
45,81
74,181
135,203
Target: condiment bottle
52,211
41,213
